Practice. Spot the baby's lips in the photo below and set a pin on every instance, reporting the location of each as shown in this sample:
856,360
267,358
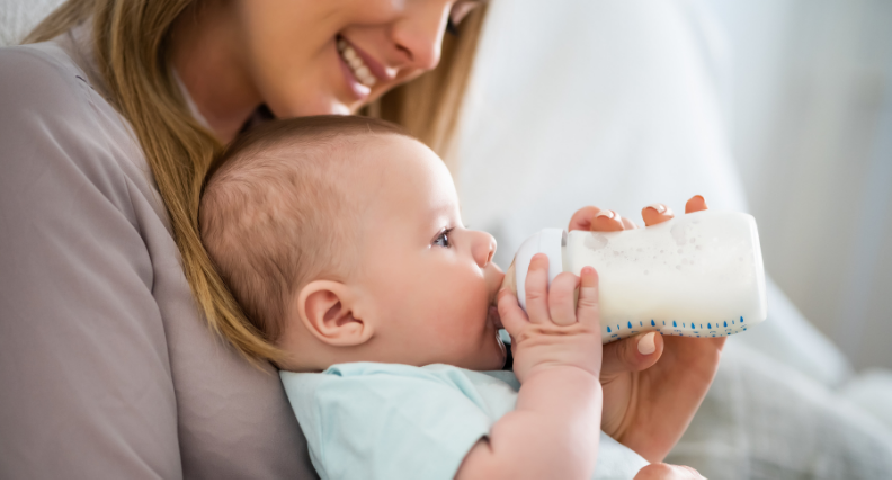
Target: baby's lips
495,317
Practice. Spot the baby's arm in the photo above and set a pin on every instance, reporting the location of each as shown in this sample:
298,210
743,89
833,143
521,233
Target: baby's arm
553,433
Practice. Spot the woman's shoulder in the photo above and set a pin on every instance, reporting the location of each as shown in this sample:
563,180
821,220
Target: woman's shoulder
43,86
55,80
53,117
38,75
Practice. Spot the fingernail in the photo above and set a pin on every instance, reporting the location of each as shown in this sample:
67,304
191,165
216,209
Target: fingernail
646,344
659,207
606,213
698,196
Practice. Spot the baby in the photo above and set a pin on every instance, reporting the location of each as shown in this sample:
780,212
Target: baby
342,239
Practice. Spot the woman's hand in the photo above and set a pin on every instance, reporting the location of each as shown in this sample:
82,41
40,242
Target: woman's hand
663,471
652,385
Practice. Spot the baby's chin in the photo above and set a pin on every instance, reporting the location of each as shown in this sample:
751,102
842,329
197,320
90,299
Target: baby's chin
496,356
503,353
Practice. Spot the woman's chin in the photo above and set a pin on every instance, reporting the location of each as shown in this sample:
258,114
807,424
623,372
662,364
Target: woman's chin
323,105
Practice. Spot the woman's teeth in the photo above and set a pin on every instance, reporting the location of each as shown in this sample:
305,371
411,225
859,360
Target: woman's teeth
357,66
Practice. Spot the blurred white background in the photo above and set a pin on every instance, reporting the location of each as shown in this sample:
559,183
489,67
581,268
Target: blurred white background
810,115
782,108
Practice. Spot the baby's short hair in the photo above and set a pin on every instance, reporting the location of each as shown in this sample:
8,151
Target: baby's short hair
272,213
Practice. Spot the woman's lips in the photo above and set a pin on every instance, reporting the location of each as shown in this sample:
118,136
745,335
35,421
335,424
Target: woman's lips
381,73
365,68
359,91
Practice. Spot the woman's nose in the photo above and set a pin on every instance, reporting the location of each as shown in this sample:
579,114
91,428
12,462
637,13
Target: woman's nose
418,35
483,248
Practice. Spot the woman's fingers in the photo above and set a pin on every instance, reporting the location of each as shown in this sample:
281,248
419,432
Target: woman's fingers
631,354
659,213
537,289
628,224
656,213
662,471
560,298
594,219
607,221
695,204
582,219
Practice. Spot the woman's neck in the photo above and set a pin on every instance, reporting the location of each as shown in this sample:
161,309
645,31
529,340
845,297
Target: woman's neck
207,56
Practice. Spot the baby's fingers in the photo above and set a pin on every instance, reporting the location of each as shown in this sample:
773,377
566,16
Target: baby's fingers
588,310
536,286
560,299
510,314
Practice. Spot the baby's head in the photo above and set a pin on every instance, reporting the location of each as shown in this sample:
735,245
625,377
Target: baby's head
341,238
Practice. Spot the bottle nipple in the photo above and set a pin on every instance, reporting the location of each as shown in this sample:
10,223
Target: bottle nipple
510,280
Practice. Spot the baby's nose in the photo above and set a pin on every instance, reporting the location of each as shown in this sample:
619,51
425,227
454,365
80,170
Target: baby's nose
484,248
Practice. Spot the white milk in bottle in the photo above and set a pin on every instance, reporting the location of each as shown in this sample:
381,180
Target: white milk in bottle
698,275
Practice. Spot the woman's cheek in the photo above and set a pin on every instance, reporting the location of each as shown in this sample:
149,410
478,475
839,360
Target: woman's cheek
370,12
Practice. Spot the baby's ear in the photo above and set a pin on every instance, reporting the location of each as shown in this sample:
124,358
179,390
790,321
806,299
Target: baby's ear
327,310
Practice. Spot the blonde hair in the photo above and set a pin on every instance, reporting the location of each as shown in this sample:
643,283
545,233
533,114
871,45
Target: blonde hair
129,42
275,212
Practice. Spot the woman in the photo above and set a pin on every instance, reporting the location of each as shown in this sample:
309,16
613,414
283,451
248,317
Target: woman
109,122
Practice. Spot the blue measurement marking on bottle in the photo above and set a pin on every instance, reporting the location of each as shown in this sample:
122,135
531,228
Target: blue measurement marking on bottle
652,324
640,323
709,326
701,326
617,327
674,324
664,322
741,319
629,325
608,329
726,324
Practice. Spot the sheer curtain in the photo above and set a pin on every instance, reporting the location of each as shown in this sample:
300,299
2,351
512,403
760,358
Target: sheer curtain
778,107
18,17
811,129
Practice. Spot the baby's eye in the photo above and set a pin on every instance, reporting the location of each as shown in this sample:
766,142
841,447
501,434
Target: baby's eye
442,239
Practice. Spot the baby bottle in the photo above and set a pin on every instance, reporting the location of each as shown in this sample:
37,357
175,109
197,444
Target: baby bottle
698,275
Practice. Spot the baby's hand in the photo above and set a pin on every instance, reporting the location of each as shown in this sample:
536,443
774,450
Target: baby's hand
552,333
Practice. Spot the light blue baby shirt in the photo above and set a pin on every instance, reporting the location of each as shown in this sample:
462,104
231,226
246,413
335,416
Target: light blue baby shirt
392,422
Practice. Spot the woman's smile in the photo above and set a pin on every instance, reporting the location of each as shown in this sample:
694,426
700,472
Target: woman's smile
361,71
